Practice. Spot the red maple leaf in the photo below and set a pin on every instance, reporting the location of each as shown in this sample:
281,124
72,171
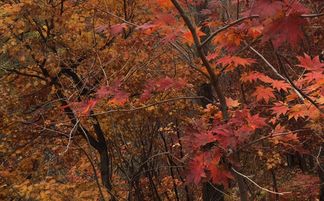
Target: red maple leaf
285,29
313,76
187,36
219,175
280,108
196,169
254,76
263,93
267,8
244,133
310,64
201,139
280,85
167,4
161,85
234,61
116,95
299,111
255,121
117,29
83,108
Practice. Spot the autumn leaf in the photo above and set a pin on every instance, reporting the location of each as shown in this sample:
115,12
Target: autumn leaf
298,111
255,31
114,93
290,137
187,36
285,29
280,85
201,139
310,64
117,29
280,108
83,108
254,76
232,103
255,121
267,8
263,93
160,85
219,175
196,169
167,4
233,61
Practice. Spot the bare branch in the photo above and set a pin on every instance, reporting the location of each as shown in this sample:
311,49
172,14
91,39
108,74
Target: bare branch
275,70
201,54
149,105
212,35
312,15
257,185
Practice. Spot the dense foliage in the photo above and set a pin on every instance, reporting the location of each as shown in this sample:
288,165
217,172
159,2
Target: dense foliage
161,100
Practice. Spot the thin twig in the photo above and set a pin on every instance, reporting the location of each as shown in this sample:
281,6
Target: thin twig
70,137
312,15
257,185
149,105
212,35
275,71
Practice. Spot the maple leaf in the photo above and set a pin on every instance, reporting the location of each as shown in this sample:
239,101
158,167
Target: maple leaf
280,108
83,108
290,137
280,85
196,169
267,8
310,76
120,98
114,93
187,36
232,103
310,64
295,7
161,85
255,121
201,139
167,4
234,61
285,29
117,29
224,136
298,111
263,93
244,133
101,28
255,31
212,56
254,76
229,39
219,175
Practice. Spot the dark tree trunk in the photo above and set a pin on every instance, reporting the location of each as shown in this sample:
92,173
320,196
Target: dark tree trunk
212,192
105,168
321,174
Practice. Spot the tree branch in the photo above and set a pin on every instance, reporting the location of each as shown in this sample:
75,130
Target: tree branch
201,54
212,35
257,185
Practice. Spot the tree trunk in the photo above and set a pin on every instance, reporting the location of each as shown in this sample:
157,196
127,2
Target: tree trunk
321,175
212,192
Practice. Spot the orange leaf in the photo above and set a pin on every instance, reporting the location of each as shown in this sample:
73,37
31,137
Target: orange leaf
263,93
187,36
280,109
280,85
232,103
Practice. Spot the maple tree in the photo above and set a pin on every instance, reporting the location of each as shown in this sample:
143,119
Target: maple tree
161,100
